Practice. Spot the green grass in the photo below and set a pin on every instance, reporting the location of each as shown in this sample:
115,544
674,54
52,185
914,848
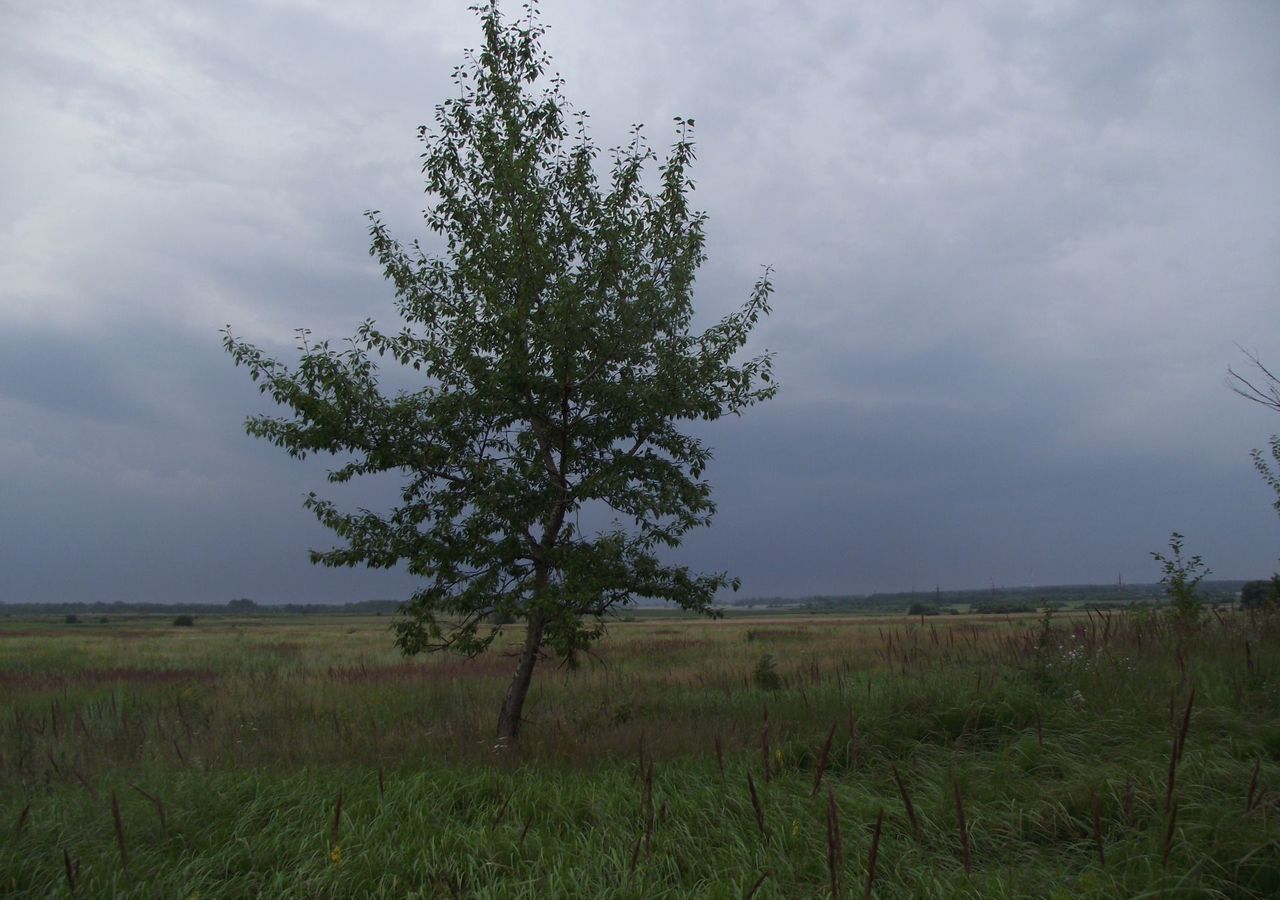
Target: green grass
247,731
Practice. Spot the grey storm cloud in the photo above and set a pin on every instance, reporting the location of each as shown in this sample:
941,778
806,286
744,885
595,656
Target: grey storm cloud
1015,248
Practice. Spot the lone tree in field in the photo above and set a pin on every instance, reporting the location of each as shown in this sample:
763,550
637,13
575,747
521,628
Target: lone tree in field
557,361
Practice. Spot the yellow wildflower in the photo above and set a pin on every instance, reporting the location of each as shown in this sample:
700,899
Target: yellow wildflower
335,855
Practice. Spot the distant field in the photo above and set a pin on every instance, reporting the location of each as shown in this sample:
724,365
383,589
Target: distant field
303,757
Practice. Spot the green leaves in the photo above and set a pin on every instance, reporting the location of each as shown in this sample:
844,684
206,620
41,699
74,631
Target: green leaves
1268,474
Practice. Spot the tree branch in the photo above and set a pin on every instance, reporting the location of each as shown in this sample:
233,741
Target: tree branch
1268,394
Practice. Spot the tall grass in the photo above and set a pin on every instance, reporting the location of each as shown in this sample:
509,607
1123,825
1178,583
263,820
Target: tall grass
1103,755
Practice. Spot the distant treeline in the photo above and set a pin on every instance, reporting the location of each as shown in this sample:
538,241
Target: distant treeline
240,607
1003,599
988,600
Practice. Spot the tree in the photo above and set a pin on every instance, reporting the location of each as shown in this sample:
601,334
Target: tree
558,362
1264,389
1257,594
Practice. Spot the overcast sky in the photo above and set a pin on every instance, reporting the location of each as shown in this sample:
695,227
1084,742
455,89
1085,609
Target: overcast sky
1015,245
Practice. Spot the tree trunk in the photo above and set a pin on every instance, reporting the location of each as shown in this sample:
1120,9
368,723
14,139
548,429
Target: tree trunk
509,719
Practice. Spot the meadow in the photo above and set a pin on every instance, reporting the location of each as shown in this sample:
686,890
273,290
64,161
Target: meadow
1090,754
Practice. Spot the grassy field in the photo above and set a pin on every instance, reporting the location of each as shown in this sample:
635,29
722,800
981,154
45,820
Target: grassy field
1099,755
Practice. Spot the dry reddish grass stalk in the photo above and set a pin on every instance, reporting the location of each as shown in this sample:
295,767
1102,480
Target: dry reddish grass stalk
84,784
1097,828
337,818
26,811
906,802
646,792
720,756
502,810
119,823
764,751
963,826
1168,834
755,804
1248,800
751,891
182,717
822,761
72,869
853,738
1172,777
871,858
647,810
1181,744
155,801
835,848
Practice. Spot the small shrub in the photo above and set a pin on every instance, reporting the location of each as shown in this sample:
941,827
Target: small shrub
765,674
72,619
1181,579
184,620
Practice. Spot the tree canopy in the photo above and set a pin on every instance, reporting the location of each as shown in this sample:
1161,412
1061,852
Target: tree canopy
558,367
